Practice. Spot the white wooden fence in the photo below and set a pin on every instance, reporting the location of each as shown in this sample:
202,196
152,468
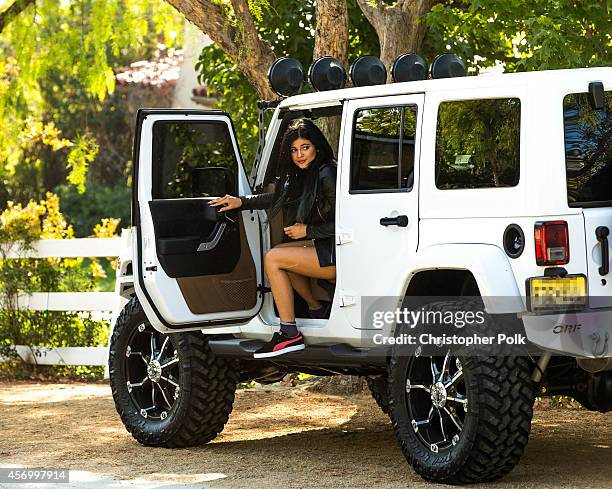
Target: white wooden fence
70,301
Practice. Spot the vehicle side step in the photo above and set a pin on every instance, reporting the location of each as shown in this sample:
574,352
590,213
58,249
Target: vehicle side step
338,355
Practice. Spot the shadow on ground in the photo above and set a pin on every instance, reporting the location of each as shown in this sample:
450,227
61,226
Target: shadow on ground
279,437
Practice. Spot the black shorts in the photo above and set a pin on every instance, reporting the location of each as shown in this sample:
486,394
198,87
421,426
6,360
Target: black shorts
326,251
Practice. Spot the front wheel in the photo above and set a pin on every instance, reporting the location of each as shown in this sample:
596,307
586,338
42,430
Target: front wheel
170,390
461,419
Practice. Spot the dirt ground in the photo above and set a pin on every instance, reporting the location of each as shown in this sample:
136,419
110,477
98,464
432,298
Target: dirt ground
277,437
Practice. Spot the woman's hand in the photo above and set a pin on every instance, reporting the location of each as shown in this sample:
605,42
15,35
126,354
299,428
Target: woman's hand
297,231
228,202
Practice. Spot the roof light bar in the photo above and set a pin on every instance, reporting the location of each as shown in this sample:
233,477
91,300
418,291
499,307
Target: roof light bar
327,73
408,67
286,76
367,71
447,66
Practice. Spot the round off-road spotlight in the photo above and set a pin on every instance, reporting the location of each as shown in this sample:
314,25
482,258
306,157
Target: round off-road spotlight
368,70
327,73
447,66
408,67
286,76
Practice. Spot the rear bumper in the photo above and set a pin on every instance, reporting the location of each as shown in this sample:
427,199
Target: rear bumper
586,333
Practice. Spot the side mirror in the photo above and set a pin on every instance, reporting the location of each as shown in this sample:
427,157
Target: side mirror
213,181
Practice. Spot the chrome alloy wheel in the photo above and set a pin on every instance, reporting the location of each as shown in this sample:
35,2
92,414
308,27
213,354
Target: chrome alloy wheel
436,400
152,372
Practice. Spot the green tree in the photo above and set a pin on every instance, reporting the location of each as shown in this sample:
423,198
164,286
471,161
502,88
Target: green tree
42,39
289,27
534,35
544,34
20,226
55,72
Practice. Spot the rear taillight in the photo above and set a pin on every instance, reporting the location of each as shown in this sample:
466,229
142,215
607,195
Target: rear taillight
551,243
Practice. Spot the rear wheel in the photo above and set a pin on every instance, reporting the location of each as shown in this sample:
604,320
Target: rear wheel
170,390
460,419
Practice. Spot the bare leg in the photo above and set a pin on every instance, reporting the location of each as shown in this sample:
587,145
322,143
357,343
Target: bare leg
301,283
297,259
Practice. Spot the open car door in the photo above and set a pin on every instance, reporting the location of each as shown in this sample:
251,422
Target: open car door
193,266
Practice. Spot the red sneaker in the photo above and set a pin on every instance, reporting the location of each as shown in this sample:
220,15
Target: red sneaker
279,345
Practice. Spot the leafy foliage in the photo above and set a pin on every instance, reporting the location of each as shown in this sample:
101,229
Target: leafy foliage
535,35
82,154
107,228
55,71
83,210
289,26
20,226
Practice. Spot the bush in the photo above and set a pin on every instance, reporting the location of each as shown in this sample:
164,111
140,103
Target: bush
19,228
59,373
84,211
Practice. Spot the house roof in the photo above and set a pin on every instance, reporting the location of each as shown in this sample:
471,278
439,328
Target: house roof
160,72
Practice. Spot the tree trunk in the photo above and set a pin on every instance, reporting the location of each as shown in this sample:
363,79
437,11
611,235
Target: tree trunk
252,54
242,43
13,11
398,27
331,36
331,39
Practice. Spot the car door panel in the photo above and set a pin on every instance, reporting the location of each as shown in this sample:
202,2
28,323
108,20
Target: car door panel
196,267
236,290
181,226
378,211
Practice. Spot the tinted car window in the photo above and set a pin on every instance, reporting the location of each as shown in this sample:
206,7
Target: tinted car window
588,150
193,159
478,143
382,155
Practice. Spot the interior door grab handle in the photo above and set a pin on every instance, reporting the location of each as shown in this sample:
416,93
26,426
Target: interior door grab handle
209,245
401,221
602,233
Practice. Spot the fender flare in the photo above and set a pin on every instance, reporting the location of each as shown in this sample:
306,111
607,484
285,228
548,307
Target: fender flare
499,290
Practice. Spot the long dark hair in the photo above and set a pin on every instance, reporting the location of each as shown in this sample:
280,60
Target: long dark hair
299,186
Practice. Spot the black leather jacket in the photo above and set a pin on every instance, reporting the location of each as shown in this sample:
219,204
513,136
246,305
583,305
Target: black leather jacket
320,223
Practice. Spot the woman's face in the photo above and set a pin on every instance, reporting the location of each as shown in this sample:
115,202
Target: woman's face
303,152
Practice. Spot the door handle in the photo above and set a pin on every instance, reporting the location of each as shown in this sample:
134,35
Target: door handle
401,221
602,233
214,241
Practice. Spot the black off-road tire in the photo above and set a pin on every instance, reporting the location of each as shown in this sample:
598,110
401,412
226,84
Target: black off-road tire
496,421
378,388
207,387
597,395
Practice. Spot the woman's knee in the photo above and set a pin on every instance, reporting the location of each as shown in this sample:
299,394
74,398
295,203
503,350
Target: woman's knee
272,258
269,259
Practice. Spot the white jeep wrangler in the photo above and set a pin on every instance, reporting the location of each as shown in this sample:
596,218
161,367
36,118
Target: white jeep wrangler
494,189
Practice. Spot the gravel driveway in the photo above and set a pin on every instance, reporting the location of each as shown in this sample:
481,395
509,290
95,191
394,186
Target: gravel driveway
277,437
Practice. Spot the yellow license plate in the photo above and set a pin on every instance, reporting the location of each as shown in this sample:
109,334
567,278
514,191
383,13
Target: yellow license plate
557,293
